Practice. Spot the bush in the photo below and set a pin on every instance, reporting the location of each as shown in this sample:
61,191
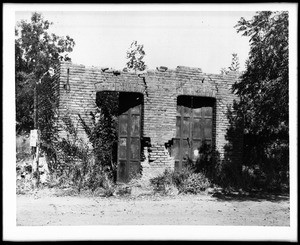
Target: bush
23,149
186,181
24,186
76,164
73,161
73,157
123,190
161,182
195,183
179,177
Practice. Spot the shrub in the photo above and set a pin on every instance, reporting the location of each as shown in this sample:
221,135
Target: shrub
73,156
179,177
160,182
70,159
102,134
76,164
195,183
24,186
186,181
123,190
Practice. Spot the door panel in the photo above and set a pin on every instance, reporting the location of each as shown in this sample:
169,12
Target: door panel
193,127
185,147
135,149
135,125
185,127
178,126
134,169
196,126
197,112
122,170
122,148
129,146
123,119
186,111
207,111
207,128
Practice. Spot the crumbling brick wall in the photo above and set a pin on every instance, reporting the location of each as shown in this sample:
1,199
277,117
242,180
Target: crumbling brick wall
78,86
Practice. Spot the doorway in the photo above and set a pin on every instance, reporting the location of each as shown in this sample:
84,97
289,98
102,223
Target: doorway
129,136
194,127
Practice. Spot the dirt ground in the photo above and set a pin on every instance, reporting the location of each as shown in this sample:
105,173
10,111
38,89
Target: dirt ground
51,210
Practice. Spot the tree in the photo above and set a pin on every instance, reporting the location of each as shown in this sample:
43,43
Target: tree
263,88
235,65
135,55
36,51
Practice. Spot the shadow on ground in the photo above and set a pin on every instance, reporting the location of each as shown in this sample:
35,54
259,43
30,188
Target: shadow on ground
258,197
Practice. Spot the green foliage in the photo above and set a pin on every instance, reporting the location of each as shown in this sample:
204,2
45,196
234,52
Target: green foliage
224,71
263,88
123,190
135,55
72,160
24,101
103,134
224,172
36,50
263,108
47,120
75,164
204,161
195,183
23,149
23,186
235,65
160,182
186,181
73,155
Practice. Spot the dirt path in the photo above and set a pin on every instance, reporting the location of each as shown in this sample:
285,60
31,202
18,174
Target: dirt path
157,210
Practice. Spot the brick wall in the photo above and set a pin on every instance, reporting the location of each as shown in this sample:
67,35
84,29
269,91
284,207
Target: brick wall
78,86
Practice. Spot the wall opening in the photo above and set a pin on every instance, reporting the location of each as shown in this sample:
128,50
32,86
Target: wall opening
194,127
124,111
129,135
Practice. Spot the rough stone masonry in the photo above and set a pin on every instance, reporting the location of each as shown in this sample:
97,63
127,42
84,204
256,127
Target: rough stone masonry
76,88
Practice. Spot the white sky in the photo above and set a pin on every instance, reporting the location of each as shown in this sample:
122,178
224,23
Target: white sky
170,38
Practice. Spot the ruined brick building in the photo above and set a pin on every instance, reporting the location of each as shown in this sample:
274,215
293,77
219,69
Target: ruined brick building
168,113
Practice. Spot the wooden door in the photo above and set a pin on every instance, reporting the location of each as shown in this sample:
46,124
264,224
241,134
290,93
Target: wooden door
129,136
194,123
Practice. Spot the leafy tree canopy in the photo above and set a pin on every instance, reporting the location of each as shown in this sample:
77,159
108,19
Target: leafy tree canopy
263,88
36,50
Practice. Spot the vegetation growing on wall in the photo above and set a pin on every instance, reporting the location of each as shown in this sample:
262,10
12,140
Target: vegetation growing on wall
135,55
235,65
103,134
74,163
